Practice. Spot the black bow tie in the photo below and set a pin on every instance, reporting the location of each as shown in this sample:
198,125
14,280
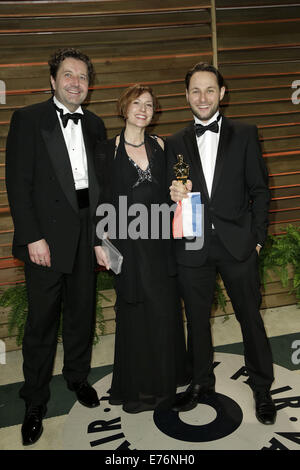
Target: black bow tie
65,117
213,127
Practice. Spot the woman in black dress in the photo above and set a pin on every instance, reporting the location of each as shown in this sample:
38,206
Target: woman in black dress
149,345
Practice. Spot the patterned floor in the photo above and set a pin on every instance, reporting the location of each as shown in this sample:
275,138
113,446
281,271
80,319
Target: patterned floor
225,422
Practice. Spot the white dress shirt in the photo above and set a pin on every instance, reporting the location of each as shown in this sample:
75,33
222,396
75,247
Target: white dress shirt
208,148
75,144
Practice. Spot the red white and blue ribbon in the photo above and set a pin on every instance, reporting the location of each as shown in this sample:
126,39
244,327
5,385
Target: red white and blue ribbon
187,220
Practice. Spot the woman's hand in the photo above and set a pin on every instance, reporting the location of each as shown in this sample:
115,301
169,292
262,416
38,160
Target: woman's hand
101,257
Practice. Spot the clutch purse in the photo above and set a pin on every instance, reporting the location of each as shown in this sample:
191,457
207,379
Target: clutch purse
115,258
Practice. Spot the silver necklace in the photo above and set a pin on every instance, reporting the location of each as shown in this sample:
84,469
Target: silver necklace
133,145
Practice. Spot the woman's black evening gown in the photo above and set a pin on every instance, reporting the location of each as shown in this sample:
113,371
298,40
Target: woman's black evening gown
150,357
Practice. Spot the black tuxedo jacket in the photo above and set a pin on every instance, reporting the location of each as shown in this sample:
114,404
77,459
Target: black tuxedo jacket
40,184
239,202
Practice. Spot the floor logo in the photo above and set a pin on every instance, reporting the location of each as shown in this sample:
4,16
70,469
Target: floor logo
223,421
228,417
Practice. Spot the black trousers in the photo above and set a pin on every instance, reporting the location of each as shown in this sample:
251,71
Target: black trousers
51,293
242,283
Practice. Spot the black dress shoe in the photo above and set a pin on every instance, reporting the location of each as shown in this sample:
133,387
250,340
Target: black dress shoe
265,408
86,394
190,398
32,427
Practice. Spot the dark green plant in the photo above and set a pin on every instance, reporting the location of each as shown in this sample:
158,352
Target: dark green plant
220,299
279,253
15,298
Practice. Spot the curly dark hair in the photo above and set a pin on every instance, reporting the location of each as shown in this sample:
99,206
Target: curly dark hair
60,55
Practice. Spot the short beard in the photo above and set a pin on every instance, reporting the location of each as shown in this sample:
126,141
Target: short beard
213,112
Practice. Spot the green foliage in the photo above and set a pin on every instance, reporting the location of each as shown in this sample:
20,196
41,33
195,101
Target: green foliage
220,299
279,252
15,298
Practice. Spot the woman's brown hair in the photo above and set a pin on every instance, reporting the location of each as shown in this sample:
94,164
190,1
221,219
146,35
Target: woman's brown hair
130,94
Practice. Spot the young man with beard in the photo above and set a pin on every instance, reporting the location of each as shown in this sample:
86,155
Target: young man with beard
227,168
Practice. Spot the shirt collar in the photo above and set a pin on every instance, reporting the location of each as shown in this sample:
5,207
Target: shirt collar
64,108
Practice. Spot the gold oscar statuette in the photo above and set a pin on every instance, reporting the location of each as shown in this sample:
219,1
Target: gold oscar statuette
181,169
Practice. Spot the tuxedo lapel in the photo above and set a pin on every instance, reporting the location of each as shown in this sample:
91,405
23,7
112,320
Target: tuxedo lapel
94,189
58,153
225,134
193,152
